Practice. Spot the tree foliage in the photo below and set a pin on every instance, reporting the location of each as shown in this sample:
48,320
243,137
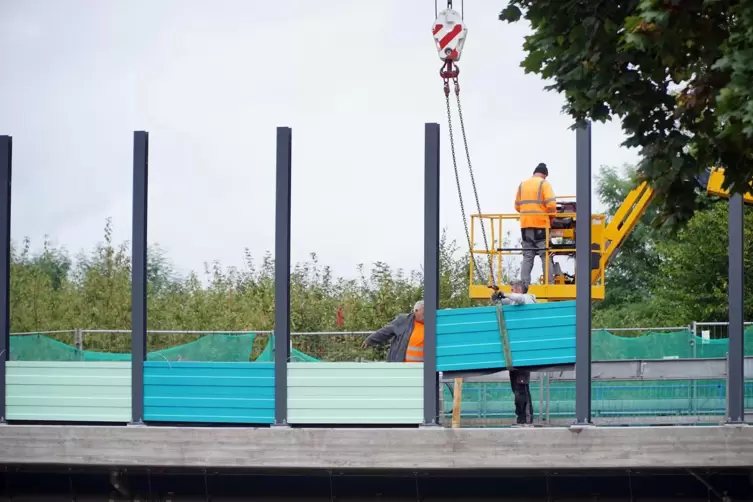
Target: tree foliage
678,73
51,291
670,279
657,279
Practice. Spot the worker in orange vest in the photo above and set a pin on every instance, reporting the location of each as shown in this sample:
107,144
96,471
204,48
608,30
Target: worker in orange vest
405,334
535,202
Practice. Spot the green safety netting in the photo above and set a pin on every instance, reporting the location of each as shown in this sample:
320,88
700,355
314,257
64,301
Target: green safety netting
214,347
488,400
653,345
296,356
622,399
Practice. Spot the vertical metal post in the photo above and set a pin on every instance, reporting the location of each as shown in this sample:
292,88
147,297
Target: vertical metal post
6,168
78,340
583,276
138,273
282,273
736,350
431,271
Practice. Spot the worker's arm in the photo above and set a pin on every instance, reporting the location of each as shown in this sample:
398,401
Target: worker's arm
517,198
549,201
514,299
381,336
509,298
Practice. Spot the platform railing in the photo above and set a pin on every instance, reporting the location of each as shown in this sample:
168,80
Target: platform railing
497,226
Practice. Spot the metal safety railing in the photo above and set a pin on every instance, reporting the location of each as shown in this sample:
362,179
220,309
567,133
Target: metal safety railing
712,330
704,330
629,392
555,284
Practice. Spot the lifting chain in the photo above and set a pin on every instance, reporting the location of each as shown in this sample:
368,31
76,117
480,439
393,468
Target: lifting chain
449,33
450,71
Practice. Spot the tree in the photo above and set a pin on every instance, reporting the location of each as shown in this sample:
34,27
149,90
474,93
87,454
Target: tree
694,266
678,73
49,291
668,279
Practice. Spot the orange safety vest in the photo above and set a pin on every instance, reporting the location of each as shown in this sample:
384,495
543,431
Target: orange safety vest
535,195
415,352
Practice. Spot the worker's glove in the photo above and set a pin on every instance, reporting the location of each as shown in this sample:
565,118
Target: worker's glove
498,296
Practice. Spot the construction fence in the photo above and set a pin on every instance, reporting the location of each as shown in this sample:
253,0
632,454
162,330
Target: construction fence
483,403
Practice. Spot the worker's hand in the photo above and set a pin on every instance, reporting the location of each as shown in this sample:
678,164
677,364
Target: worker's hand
497,296
365,344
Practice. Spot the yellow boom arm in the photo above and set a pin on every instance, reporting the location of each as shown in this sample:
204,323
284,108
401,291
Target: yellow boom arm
622,223
606,239
714,186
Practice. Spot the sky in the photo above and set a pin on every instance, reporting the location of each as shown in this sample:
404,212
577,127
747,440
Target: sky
211,81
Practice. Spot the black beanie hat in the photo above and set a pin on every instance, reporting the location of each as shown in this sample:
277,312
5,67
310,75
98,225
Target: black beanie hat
541,168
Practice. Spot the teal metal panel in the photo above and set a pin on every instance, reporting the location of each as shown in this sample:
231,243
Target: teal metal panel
209,392
68,391
541,334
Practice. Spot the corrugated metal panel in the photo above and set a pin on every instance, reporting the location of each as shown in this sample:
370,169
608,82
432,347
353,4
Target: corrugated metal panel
468,339
355,393
541,334
209,392
538,334
68,391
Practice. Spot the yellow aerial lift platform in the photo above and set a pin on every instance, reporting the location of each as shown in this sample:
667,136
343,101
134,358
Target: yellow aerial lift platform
606,239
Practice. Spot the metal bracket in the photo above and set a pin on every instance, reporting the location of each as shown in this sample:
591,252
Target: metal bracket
578,428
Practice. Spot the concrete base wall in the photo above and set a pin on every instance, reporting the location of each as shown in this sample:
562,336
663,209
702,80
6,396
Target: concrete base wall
378,448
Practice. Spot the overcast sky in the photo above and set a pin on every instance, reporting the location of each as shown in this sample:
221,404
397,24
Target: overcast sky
211,80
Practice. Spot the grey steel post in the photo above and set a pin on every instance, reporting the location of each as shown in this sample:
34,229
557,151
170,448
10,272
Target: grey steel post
736,351
282,273
6,168
138,273
431,271
583,275
78,339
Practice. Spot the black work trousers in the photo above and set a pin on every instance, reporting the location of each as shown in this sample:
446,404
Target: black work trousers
520,383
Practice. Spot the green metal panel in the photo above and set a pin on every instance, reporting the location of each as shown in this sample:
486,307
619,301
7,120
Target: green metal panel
68,391
355,393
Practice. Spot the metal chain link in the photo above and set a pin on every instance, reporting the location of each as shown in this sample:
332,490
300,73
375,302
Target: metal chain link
457,176
473,181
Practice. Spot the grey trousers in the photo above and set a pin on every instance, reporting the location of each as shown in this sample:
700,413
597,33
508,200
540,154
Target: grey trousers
534,244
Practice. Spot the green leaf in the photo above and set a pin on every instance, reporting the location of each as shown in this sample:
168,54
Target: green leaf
511,14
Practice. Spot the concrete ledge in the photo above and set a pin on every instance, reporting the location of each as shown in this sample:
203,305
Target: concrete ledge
342,449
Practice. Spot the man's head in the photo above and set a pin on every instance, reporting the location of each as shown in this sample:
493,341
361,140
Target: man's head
541,170
418,310
519,287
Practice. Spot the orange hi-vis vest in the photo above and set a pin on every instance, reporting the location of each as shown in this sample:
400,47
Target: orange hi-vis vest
535,195
415,352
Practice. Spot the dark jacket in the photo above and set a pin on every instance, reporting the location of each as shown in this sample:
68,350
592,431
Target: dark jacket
397,334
